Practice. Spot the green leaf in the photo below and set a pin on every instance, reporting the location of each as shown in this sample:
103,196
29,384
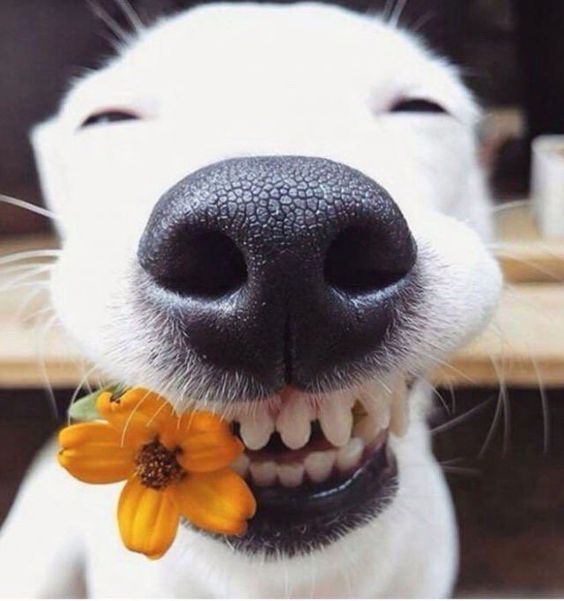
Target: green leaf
84,409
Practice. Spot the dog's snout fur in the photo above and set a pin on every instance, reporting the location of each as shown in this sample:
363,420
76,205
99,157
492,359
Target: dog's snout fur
281,268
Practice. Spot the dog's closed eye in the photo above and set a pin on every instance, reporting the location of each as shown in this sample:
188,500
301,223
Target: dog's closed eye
417,105
109,116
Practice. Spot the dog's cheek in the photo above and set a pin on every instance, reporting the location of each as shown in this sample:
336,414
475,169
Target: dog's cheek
461,283
87,281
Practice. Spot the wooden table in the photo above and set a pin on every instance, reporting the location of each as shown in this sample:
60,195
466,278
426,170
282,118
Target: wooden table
524,346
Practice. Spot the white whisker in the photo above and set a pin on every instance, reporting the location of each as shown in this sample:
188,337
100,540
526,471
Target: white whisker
506,206
131,15
37,271
388,9
27,206
545,408
492,429
45,311
397,13
39,289
14,269
501,253
77,390
462,471
455,421
114,27
43,365
422,21
46,253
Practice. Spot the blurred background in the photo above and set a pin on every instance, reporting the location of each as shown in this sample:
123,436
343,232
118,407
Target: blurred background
505,469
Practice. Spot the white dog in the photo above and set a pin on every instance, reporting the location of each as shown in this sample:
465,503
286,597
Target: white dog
279,283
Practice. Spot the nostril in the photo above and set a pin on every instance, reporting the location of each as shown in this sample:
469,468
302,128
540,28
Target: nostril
203,264
361,260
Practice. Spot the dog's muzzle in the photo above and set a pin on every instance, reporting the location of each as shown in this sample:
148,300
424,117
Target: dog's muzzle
283,268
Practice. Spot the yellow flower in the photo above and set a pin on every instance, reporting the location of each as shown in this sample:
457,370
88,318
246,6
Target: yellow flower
175,466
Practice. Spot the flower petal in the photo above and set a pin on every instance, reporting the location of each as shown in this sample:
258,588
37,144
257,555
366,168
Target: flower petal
92,453
203,421
138,415
217,501
191,423
148,519
209,451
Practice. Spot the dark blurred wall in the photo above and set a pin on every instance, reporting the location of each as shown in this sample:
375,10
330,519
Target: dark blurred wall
540,33
44,43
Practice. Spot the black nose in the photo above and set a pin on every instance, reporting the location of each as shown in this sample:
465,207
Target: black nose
289,270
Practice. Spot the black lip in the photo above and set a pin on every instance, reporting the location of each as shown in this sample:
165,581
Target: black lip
291,521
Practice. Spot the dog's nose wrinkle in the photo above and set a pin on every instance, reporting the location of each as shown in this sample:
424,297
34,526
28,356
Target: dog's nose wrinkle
284,268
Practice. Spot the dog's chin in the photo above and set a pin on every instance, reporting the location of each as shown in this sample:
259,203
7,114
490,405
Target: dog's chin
301,520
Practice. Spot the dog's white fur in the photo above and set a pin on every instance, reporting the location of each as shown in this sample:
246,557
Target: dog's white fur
241,80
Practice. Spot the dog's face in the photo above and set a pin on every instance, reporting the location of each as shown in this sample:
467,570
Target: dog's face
317,244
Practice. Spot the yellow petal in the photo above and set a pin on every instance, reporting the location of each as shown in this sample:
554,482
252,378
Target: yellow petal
92,453
148,519
176,431
217,501
138,415
203,421
209,451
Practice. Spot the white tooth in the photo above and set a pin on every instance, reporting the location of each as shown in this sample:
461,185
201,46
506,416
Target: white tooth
382,416
399,416
366,428
290,474
241,464
376,401
350,455
319,465
336,419
256,429
263,473
294,422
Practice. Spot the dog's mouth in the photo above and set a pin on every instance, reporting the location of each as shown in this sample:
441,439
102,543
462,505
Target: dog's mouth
318,466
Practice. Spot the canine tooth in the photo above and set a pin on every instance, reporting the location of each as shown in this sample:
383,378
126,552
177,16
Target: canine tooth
294,422
376,401
336,419
366,428
264,472
290,474
382,416
256,429
350,455
399,415
241,465
319,465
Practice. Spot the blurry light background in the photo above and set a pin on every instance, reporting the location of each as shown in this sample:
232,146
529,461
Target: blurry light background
512,56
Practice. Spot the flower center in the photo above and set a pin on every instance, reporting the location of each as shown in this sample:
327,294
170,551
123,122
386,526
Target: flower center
157,466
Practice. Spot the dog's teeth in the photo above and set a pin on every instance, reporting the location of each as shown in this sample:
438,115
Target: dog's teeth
319,465
366,428
263,473
376,402
399,415
336,419
241,465
350,455
256,429
290,474
294,422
